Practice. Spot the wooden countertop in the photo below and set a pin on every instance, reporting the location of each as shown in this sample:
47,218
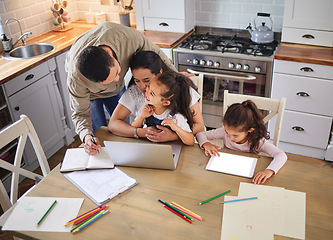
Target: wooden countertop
64,40
305,53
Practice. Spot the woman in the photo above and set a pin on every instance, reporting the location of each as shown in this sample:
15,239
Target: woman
145,66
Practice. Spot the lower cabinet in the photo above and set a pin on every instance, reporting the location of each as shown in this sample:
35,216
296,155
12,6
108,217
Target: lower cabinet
38,97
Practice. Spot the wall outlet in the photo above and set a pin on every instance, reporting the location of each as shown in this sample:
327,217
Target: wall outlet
116,2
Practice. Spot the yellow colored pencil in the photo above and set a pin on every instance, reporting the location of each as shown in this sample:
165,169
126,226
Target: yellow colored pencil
186,209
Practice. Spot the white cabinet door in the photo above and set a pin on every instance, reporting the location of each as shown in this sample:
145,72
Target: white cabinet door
309,14
38,101
164,9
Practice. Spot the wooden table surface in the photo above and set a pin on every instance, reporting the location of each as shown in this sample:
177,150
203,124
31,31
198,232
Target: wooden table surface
137,214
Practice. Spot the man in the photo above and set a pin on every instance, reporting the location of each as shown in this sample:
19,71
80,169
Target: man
97,63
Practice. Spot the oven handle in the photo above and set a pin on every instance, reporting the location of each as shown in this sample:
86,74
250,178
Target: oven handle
245,77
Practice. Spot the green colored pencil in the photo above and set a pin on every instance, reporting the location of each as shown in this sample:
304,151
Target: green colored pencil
214,197
55,201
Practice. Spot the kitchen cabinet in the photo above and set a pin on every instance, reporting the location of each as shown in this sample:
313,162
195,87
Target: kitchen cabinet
308,22
308,115
165,16
35,94
61,76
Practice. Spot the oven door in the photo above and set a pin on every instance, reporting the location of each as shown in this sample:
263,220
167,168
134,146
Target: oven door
216,81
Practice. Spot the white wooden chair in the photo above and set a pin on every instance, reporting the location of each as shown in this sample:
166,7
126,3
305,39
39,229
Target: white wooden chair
198,81
20,130
273,106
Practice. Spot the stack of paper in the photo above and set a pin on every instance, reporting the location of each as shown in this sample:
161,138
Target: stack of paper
276,211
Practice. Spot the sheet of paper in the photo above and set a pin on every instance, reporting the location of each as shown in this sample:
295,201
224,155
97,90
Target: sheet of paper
288,207
29,210
75,158
245,221
232,164
102,159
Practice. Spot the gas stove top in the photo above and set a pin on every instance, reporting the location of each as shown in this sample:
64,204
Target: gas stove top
228,44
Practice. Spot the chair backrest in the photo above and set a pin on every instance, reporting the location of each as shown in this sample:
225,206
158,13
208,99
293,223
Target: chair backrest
273,106
20,130
198,81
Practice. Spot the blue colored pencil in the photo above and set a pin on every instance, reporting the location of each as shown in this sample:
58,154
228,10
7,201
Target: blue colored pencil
238,200
100,214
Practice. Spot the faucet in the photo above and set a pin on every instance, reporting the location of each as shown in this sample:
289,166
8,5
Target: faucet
23,35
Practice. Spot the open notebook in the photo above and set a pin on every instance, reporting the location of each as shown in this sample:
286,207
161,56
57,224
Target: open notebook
232,164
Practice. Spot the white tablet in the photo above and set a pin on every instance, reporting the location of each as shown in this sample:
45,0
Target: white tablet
232,164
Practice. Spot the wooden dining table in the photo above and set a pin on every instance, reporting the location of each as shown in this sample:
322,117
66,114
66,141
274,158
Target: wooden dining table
137,214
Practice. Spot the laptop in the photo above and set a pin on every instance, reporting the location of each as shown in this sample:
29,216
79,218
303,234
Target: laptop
144,155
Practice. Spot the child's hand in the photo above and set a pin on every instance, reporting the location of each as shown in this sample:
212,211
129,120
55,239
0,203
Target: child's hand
169,122
262,176
211,149
147,111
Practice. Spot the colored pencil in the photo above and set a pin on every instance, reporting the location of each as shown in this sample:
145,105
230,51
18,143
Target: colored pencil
100,214
176,210
186,210
238,200
81,216
85,221
89,215
214,197
179,215
48,210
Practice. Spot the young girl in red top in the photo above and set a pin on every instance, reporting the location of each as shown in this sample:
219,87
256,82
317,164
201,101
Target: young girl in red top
244,130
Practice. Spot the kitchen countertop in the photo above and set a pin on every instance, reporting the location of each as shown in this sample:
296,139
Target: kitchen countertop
305,53
63,41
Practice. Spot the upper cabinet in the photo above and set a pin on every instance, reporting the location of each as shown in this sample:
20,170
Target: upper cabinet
308,22
165,16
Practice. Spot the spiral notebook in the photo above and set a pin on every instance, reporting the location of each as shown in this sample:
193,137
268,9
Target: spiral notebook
101,185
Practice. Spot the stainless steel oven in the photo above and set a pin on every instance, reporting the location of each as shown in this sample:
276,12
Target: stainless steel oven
225,67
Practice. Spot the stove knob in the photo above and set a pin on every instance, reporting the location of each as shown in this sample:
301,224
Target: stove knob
257,69
202,62
246,67
188,61
195,61
217,64
210,63
231,65
238,66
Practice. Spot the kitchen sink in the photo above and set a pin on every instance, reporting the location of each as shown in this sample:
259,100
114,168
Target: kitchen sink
29,51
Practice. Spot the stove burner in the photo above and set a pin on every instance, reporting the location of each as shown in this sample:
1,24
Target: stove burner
232,44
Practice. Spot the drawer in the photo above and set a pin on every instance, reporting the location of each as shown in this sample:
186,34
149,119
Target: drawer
304,94
307,36
303,69
26,79
164,24
315,133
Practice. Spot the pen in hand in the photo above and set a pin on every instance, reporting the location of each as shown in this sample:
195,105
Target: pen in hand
93,140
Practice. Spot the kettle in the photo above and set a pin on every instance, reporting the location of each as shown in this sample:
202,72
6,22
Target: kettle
263,33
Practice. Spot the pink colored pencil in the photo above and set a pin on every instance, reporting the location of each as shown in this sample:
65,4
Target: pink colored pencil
186,212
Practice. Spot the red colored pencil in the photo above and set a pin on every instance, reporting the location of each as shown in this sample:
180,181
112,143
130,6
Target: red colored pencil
91,214
177,214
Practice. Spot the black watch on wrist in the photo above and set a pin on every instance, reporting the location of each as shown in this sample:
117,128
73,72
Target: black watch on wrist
136,135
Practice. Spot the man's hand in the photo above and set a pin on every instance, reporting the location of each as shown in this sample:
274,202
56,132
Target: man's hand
90,147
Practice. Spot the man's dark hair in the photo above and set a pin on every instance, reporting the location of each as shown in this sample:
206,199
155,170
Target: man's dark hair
94,63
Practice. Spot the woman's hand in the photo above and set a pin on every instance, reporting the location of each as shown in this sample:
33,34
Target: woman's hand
160,134
262,176
211,149
90,147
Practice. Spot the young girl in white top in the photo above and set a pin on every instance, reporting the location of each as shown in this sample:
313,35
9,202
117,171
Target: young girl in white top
168,98
244,130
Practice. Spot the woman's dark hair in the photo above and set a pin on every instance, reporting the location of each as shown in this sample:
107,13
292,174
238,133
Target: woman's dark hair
178,93
148,60
246,115
94,63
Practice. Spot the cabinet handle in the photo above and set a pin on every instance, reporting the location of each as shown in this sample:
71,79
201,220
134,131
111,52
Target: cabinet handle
302,94
307,69
163,24
29,77
308,36
17,108
297,128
